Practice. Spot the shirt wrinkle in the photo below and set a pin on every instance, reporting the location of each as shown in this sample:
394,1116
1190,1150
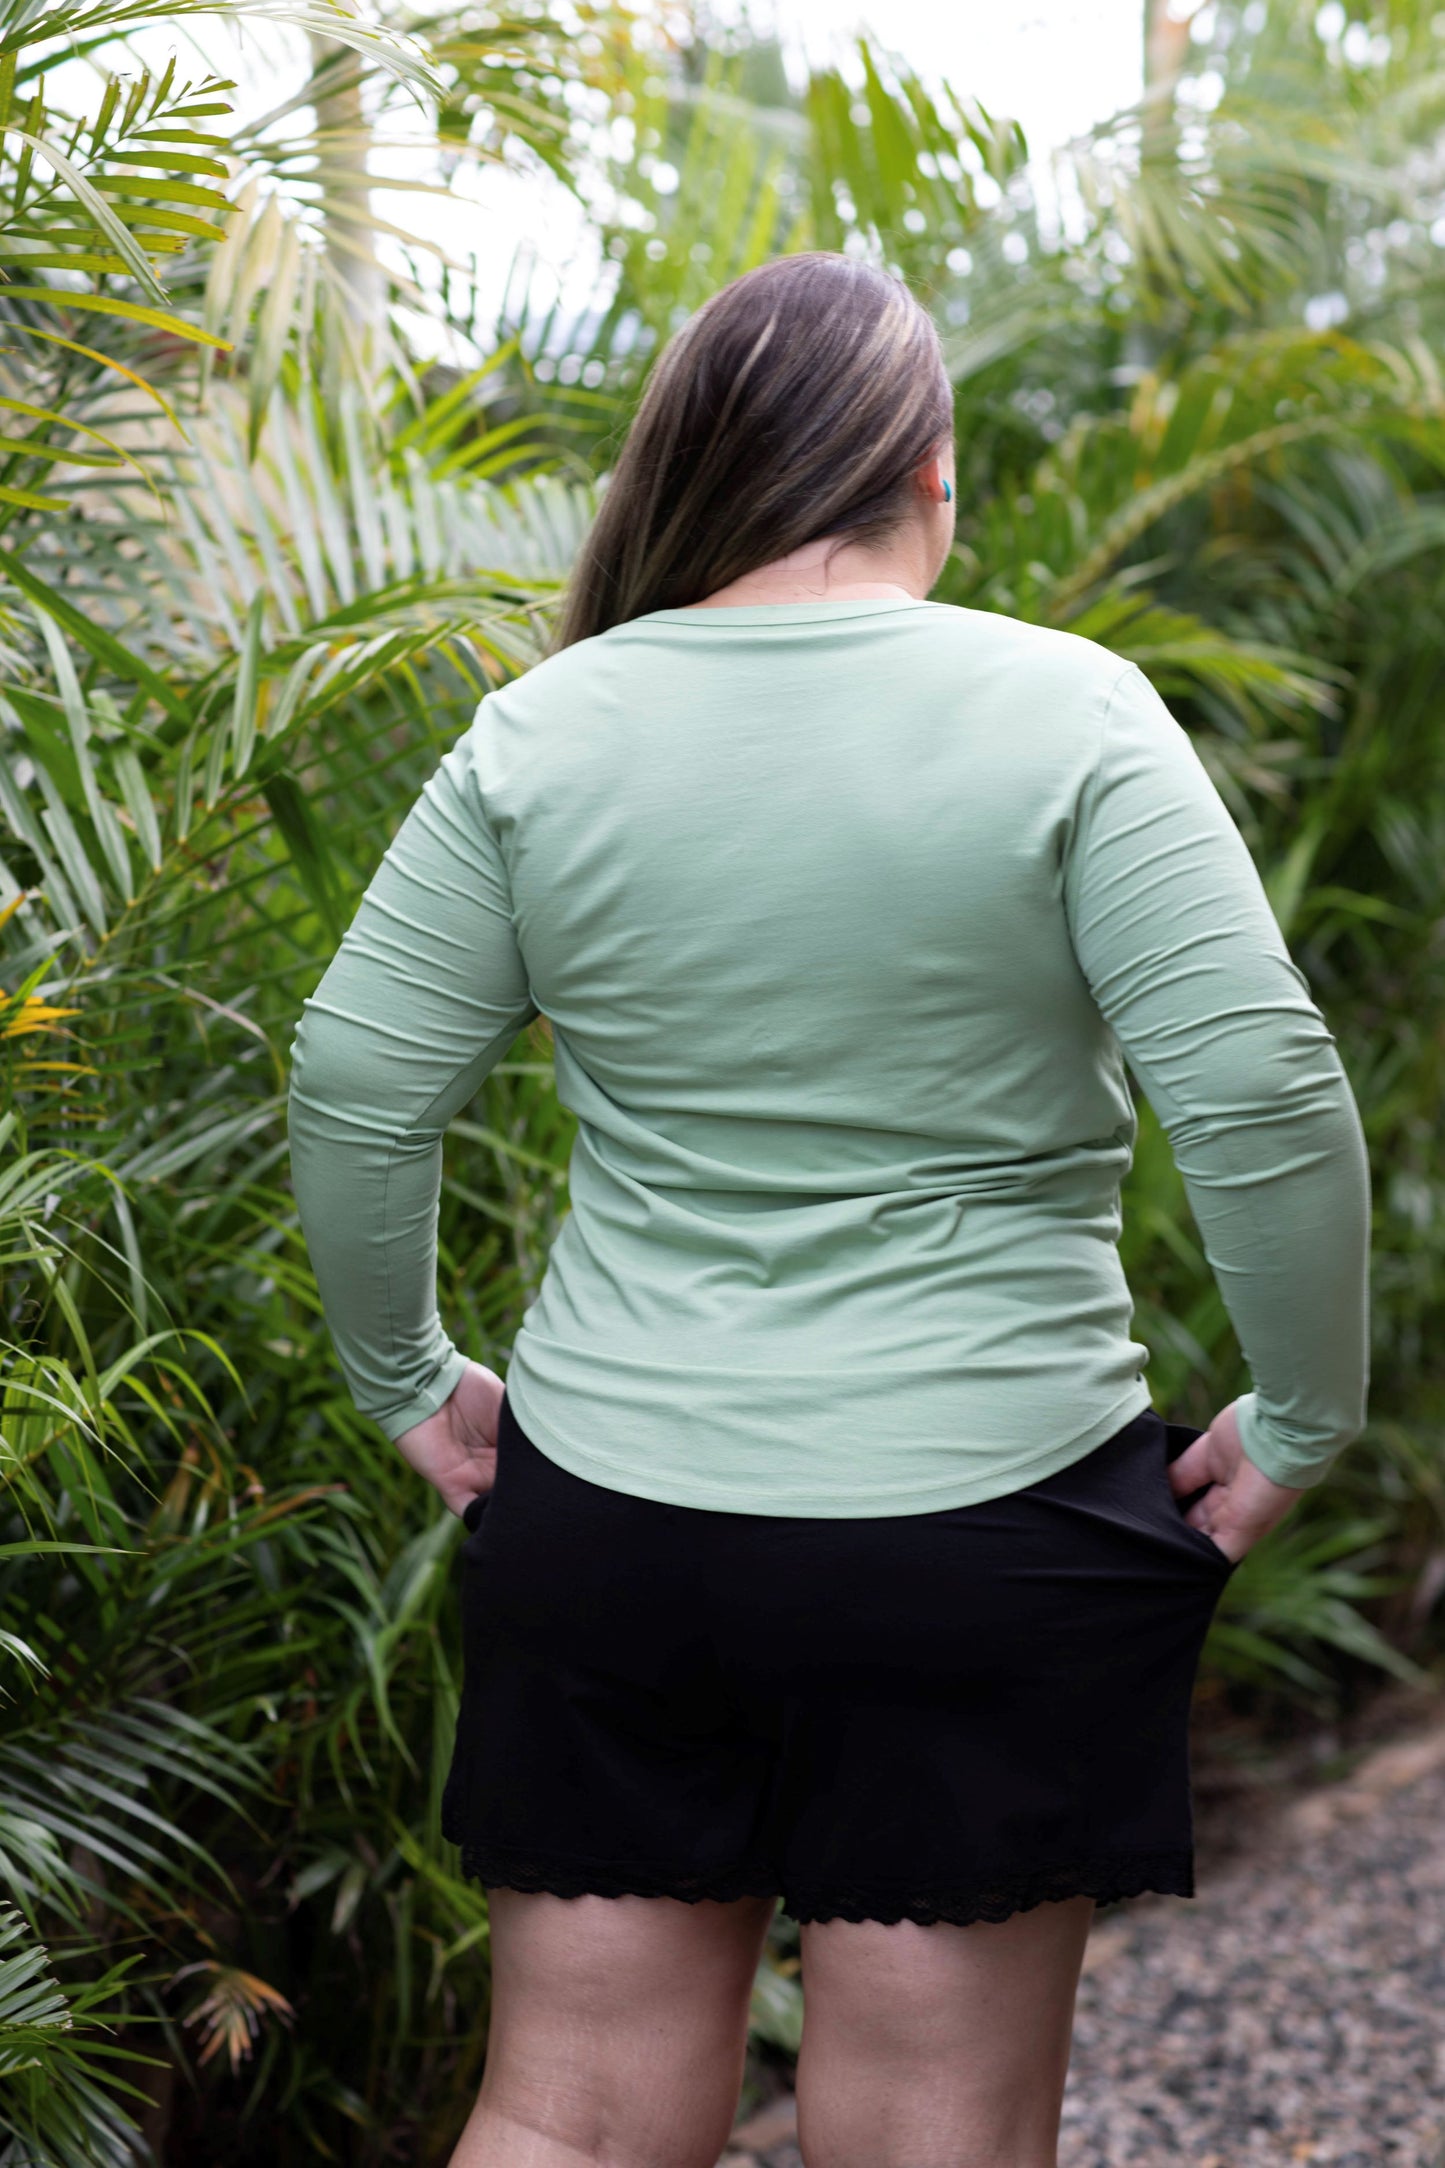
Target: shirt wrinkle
851,926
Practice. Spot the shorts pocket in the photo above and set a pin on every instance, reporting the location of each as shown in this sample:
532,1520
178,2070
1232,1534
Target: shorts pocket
474,1511
1221,1558
1178,1436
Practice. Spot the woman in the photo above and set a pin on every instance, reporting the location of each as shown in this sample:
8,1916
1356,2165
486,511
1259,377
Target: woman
835,1552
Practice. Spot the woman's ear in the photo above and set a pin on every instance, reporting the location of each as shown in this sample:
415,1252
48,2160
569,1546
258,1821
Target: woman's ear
933,479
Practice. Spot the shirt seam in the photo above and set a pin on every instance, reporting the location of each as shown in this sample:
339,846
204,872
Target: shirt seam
1091,787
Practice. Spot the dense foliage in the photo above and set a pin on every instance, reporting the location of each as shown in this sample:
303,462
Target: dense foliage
259,560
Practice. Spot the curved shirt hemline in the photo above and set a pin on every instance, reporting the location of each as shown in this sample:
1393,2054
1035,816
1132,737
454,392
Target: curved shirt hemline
836,1504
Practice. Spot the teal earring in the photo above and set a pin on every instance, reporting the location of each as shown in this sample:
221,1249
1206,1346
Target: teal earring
948,493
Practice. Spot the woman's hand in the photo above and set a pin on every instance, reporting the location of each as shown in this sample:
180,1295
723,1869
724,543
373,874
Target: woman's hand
1242,1503
456,1449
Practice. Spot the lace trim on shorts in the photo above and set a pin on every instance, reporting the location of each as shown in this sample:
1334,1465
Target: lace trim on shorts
1169,1874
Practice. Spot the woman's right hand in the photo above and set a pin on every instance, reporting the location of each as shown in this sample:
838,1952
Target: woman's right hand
456,1449
1242,1503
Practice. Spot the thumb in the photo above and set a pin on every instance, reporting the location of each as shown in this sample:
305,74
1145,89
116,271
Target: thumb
1211,1458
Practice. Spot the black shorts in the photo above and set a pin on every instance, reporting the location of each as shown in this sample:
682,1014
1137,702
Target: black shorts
937,1716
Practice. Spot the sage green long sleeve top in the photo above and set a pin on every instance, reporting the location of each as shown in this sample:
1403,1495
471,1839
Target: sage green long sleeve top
847,918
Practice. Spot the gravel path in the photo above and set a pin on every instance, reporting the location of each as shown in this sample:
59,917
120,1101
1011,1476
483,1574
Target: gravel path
1293,2011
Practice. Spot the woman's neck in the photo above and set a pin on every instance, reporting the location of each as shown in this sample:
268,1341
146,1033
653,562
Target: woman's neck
826,571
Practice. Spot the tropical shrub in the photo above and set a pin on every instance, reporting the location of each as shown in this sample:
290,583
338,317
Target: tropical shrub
257,569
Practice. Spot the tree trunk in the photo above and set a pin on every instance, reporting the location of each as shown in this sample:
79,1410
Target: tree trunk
1166,49
343,146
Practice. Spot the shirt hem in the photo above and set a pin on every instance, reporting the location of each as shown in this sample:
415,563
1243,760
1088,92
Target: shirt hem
838,1501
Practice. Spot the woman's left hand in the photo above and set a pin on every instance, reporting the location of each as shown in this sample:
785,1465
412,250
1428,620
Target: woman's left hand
456,1449
1242,1503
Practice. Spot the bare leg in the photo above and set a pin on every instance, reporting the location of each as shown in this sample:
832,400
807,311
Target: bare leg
619,2027
938,2047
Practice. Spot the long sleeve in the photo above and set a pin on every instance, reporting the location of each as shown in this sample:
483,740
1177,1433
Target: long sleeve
1183,955
425,994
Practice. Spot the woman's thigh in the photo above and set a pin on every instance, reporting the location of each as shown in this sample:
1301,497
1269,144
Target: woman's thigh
938,2046
618,2030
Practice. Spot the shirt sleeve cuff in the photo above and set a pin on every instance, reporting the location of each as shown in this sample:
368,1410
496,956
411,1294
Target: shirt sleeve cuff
1274,1456
426,1402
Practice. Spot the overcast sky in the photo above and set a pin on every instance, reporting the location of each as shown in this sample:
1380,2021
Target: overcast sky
1057,66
